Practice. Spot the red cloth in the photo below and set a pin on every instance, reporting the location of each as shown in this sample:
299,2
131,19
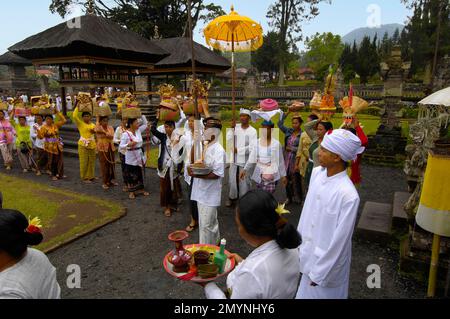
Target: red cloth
356,165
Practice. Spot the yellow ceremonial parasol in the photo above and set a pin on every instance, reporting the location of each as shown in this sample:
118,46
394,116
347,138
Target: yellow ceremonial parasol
234,33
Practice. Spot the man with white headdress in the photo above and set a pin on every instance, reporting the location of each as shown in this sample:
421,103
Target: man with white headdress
328,220
207,189
240,139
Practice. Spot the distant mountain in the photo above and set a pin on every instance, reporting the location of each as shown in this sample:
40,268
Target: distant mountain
359,34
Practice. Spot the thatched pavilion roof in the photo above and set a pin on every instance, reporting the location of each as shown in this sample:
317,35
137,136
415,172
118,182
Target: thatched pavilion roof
10,58
181,56
95,37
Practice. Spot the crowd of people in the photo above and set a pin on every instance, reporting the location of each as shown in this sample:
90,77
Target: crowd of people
317,166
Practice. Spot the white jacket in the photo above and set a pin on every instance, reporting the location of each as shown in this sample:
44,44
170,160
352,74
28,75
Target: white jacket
269,272
326,226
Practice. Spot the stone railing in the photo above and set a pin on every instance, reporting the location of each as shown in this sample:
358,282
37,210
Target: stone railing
371,93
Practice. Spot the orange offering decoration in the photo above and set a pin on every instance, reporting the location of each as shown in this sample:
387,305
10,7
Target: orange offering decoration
168,107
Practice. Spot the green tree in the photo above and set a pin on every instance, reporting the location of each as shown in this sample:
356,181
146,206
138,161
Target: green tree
143,16
346,61
265,59
428,32
385,46
368,61
287,16
322,51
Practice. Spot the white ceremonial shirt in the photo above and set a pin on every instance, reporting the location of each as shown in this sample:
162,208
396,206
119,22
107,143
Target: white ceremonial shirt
244,139
208,192
188,142
269,272
118,137
266,160
326,226
33,277
37,142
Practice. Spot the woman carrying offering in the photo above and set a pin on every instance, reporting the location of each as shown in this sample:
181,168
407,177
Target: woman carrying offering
105,148
271,271
266,161
7,134
292,141
135,158
53,145
23,141
122,128
38,145
86,145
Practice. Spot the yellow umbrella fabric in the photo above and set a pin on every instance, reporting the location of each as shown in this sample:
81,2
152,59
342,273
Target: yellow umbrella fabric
234,32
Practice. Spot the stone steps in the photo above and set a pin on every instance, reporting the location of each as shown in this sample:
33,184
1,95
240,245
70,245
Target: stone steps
378,221
375,222
399,217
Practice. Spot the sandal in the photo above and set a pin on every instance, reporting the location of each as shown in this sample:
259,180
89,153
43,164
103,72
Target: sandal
132,196
105,187
55,179
146,194
168,213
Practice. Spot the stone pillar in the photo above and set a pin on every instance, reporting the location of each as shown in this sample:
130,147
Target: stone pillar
388,145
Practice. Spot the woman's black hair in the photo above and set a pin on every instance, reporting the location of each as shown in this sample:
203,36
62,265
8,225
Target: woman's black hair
22,117
170,123
14,240
49,116
85,114
39,115
313,117
298,118
101,118
130,122
327,125
257,214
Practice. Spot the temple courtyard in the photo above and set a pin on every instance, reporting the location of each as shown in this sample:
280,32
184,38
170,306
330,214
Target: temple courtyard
124,258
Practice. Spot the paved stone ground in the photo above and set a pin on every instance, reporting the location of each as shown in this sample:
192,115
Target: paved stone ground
124,259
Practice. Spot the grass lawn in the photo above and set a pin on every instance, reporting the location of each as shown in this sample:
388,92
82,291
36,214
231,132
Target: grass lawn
65,215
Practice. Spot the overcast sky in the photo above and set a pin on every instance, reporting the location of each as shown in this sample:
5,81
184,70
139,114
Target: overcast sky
23,18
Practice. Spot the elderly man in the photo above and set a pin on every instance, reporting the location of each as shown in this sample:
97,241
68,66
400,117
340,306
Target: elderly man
328,219
240,140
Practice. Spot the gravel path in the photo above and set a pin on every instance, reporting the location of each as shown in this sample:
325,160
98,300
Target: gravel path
124,259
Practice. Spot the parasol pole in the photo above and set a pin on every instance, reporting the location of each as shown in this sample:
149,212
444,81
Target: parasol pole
194,74
233,76
434,265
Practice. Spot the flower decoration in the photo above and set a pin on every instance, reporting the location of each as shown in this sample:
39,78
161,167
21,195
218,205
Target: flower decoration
281,209
34,225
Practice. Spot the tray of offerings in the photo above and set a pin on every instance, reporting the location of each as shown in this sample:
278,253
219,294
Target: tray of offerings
200,268
200,169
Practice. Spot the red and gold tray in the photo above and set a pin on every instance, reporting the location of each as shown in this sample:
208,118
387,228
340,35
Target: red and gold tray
191,276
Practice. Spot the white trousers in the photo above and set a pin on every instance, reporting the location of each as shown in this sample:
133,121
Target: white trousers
306,291
208,225
244,185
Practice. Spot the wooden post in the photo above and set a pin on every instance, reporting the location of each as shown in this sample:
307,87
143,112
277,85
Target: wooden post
63,100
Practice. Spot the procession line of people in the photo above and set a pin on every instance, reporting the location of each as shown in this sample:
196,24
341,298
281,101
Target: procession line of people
310,262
